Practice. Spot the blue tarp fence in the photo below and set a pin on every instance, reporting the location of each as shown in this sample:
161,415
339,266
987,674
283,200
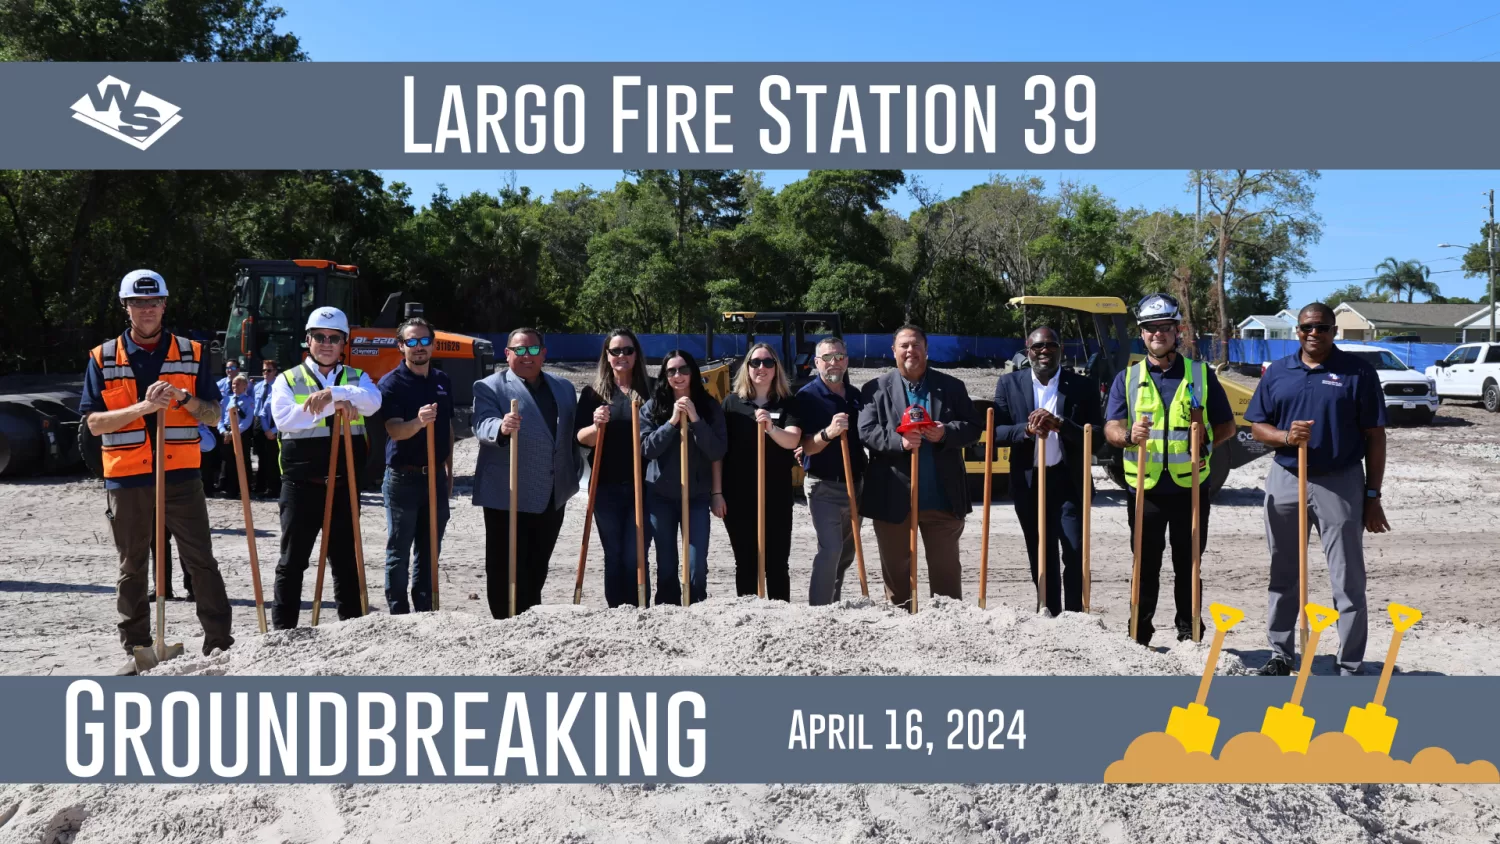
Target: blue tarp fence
1418,356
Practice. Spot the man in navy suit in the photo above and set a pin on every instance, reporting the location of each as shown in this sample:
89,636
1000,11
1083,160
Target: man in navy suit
1028,402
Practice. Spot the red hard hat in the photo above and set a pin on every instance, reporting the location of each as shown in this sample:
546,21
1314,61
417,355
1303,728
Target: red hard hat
915,418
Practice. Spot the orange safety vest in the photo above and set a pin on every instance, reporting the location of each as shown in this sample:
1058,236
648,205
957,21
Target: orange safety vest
127,452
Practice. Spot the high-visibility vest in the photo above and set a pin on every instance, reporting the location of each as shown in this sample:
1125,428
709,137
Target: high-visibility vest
304,453
127,452
1169,443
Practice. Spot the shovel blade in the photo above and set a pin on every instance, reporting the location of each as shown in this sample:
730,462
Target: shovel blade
1194,727
1371,727
146,657
1288,727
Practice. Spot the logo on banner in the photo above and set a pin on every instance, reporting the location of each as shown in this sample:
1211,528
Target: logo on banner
127,113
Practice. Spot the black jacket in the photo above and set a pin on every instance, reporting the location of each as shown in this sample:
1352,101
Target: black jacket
887,489
1078,405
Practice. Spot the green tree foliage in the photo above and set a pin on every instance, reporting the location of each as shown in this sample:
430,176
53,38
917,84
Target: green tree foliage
1395,277
1352,293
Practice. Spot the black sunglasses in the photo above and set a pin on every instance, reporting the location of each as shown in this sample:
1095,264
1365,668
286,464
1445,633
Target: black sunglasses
413,342
622,351
1315,328
526,350
762,363
327,339
1042,347
679,370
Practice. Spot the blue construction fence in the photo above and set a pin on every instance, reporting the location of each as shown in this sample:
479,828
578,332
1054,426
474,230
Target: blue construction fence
941,348
1418,356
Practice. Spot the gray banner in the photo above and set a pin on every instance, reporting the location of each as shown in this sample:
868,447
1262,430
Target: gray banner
665,729
735,114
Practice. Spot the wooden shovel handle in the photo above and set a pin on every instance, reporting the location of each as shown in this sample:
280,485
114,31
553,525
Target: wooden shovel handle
988,441
515,502
333,468
640,518
1088,508
912,546
1041,521
359,546
239,468
849,492
159,470
432,508
588,514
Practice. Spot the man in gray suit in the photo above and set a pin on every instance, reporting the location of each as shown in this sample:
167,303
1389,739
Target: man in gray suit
942,486
548,474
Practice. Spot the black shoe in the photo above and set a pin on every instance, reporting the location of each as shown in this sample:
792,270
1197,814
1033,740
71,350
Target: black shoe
151,596
1183,636
1277,667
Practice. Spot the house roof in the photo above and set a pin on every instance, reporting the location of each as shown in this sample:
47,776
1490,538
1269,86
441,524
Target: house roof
1481,316
1408,315
1265,321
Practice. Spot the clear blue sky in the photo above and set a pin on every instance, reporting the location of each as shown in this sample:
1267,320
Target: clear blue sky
1367,215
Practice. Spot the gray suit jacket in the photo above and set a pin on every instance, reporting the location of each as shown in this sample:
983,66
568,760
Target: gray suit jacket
549,470
887,491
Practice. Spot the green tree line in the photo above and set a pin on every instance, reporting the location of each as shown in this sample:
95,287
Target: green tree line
660,251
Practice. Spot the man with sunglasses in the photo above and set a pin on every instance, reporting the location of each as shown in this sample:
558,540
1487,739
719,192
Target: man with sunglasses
1042,398
128,380
548,474
828,409
1171,392
303,401
1331,401
413,395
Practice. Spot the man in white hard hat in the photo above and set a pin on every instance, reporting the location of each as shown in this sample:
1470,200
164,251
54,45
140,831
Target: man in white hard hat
1171,392
303,401
129,379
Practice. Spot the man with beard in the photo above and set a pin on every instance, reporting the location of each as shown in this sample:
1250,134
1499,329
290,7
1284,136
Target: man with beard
825,407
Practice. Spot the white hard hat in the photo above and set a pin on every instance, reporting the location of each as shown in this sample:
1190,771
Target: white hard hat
1156,308
142,284
328,318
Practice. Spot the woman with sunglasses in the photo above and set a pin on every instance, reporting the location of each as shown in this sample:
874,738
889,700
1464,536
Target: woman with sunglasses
679,394
621,377
760,405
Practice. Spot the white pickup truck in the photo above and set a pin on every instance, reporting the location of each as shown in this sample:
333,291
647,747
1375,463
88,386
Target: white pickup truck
1471,371
1406,390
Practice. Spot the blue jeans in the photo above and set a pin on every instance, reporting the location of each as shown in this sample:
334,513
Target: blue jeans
666,524
614,520
406,525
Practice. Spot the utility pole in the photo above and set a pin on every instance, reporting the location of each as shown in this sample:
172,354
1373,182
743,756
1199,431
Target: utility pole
1489,242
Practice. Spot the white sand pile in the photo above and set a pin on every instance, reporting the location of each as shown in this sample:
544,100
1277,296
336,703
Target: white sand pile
732,637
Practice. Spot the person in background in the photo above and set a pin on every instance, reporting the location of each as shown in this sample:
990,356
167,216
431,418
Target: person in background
267,455
548,473
620,379
830,407
241,398
226,384
760,405
679,394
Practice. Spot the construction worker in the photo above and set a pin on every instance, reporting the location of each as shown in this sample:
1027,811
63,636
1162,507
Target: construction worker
267,456
1138,412
1331,401
127,381
303,400
413,395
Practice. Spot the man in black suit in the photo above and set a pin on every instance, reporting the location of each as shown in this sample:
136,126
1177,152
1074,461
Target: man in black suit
1046,399
942,487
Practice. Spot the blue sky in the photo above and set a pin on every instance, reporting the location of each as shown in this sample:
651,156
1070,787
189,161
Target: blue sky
1367,215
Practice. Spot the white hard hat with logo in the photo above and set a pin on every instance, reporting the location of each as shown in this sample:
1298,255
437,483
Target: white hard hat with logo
1157,307
143,284
328,318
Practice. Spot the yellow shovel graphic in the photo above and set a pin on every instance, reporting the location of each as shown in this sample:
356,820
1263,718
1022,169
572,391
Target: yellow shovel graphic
1369,725
1286,725
1194,727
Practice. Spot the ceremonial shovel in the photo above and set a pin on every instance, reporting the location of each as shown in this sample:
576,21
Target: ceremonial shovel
148,658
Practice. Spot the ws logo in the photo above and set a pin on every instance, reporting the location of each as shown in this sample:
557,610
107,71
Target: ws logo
126,113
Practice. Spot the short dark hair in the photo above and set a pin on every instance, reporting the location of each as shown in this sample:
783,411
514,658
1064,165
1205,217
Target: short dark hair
418,321
1057,338
1320,308
511,337
909,327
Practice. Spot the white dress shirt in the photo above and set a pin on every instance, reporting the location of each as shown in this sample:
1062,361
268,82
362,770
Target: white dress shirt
1046,399
290,416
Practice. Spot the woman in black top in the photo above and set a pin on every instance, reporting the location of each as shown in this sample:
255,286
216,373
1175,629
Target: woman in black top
621,378
760,402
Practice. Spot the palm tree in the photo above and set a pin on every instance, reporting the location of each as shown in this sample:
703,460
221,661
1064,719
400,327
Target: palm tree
1395,276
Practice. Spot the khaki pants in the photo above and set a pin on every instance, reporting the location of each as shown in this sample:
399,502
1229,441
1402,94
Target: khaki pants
132,521
940,531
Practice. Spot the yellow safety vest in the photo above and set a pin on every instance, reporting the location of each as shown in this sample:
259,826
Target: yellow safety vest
1169,443
304,383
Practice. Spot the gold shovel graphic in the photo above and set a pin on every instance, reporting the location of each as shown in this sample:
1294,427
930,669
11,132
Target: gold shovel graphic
1194,727
1369,725
1286,725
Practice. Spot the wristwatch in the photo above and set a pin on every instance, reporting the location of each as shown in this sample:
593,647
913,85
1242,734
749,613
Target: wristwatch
1372,493
823,435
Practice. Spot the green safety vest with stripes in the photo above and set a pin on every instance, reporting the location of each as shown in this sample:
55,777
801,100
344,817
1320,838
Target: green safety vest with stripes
1169,443
307,450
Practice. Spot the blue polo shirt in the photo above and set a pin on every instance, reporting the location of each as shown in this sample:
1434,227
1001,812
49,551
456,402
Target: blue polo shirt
816,407
402,394
147,368
1342,397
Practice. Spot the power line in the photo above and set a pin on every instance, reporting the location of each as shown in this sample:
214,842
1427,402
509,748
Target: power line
1465,26
1352,269
1367,278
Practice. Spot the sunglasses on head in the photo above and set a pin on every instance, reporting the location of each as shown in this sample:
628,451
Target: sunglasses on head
833,357
1046,346
622,351
327,339
762,363
413,342
679,370
526,350
1315,328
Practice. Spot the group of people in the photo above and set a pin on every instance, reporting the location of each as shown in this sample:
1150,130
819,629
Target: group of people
911,416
